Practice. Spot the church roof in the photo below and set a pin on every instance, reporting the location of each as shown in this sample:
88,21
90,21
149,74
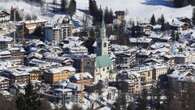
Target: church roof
103,61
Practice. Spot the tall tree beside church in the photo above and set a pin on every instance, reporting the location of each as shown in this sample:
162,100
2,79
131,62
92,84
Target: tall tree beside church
63,5
108,17
193,16
72,8
97,18
28,101
93,9
153,20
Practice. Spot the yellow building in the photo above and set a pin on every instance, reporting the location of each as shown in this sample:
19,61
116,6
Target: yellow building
57,74
146,75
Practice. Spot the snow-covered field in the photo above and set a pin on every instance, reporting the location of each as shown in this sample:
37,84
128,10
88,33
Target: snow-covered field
135,9
142,9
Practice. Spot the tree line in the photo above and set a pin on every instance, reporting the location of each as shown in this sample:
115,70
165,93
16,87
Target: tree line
97,13
181,3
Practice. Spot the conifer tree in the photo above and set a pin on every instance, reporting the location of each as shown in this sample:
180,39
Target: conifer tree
161,20
108,17
193,16
180,3
28,101
63,5
72,8
153,20
93,9
142,101
192,2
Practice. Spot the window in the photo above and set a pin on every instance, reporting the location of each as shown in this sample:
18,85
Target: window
148,74
105,44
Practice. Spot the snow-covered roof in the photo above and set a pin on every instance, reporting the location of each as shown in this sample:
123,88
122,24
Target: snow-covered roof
2,78
61,69
140,40
85,75
16,72
5,39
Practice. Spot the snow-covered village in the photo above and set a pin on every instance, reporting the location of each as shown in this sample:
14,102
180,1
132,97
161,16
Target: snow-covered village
97,55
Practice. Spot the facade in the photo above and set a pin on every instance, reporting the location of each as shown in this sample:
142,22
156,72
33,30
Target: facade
4,16
141,42
103,63
159,70
35,73
125,60
84,78
4,83
17,76
56,74
58,32
5,42
52,34
31,25
139,78
131,79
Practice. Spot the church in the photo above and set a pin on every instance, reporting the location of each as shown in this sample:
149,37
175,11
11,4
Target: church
103,62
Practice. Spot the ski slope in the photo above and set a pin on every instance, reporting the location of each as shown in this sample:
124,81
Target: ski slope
142,9
135,9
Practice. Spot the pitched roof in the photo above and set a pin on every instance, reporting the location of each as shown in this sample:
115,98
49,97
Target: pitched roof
103,61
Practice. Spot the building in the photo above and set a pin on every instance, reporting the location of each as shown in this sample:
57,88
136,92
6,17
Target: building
103,62
31,25
52,35
158,70
17,75
4,16
5,42
120,17
125,60
4,83
58,31
182,86
35,72
82,78
66,91
141,56
145,76
142,42
56,74
131,79
84,63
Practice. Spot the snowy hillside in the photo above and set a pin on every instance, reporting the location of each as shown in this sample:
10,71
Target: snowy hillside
142,9
135,9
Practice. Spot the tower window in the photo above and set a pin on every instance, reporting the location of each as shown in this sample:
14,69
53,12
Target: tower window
105,44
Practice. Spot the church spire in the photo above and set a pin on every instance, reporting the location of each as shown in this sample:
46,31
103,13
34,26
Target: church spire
102,40
103,27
